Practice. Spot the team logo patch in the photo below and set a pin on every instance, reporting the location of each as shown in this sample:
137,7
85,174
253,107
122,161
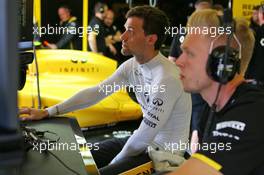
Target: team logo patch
149,123
235,125
157,102
138,73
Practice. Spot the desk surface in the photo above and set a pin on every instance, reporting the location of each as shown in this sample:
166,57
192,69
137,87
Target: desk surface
65,149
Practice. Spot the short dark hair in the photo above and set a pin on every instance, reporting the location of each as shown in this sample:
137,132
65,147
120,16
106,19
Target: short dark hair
99,7
65,6
218,7
154,22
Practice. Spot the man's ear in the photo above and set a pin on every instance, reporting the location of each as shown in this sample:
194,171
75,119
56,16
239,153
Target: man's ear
152,39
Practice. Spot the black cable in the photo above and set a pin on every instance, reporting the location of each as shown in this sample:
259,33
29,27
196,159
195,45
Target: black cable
227,22
66,166
32,136
210,119
37,75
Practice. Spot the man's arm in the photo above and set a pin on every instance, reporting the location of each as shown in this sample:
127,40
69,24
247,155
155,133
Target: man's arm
67,37
80,100
195,166
92,42
117,36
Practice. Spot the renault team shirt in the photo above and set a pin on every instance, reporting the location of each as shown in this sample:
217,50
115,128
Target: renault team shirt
166,107
235,145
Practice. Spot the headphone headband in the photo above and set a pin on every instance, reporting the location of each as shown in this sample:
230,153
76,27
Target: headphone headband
236,39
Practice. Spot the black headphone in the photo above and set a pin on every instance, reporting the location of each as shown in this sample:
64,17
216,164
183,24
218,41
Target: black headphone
223,64
101,9
224,61
262,8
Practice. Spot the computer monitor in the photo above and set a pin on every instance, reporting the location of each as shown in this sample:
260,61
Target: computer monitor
25,24
11,153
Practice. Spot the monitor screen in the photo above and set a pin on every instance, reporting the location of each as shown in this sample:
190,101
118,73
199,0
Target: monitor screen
11,153
25,20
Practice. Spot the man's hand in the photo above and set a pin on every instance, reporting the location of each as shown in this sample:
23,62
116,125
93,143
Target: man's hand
92,42
112,49
109,40
194,141
33,114
52,46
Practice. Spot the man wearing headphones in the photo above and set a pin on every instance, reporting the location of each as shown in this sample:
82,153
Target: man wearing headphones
166,107
96,38
231,135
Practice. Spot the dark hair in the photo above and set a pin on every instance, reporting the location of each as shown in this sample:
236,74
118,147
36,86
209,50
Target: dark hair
218,7
154,22
99,7
66,7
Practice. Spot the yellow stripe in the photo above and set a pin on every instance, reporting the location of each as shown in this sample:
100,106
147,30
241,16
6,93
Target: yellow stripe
37,12
73,18
208,161
85,25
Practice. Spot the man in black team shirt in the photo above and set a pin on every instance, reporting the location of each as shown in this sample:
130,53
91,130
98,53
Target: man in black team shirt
96,38
234,141
256,66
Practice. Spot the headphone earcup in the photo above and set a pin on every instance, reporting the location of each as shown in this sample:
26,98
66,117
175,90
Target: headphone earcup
101,10
215,64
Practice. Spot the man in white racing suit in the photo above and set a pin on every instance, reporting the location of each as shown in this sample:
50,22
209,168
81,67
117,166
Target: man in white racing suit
166,107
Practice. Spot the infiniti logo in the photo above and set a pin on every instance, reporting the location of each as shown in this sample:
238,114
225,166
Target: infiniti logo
157,101
137,73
